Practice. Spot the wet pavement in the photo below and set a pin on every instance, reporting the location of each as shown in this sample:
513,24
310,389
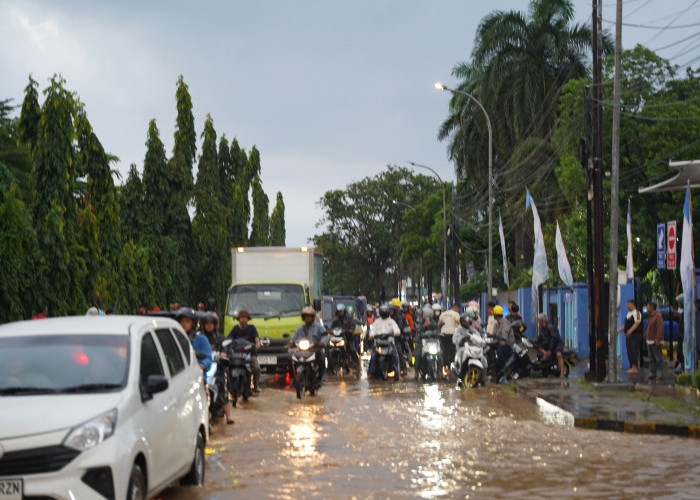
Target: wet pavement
368,439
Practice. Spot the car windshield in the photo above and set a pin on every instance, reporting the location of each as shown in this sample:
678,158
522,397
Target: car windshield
266,300
62,364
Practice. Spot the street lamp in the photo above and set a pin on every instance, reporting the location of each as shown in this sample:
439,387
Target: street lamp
444,231
440,86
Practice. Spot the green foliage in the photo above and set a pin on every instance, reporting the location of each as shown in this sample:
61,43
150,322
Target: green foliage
30,115
260,228
131,202
683,379
209,225
361,229
696,379
278,233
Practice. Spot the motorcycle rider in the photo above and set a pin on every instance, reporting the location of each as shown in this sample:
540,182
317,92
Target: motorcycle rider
347,324
209,322
513,313
504,334
382,325
200,344
428,324
448,322
397,315
314,332
549,342
244,330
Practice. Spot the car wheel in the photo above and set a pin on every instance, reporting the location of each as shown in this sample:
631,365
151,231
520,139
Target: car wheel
137,484
195,476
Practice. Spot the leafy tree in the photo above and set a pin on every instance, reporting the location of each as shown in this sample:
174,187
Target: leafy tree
278,233
225,185
210,222
101,201
241,202
132,206
185,144
22,287
30,114
55,207
260,228
14,154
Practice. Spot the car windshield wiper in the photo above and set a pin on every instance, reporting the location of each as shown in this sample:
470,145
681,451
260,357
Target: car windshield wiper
13,391
91,388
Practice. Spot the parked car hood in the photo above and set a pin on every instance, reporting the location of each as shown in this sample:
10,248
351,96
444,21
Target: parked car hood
40,414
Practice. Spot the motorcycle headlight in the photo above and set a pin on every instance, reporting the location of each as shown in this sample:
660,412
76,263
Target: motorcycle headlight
91,433
304,344
212,370
432,349
341,343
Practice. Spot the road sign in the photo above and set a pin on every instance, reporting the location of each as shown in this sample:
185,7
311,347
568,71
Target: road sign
661,245
671,245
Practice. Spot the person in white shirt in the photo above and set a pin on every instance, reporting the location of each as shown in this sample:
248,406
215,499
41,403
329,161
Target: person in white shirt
448,322
633,336
381,326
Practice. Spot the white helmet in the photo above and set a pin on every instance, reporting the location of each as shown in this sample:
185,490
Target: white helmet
437,307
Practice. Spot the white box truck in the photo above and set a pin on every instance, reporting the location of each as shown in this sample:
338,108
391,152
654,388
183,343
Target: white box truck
273,284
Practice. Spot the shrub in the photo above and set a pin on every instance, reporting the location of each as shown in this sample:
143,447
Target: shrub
683,379
696,380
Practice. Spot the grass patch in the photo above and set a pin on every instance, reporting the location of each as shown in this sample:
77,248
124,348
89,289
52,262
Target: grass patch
511,388
676,406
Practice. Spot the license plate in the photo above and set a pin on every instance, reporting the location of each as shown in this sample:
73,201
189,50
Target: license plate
10,489
267,360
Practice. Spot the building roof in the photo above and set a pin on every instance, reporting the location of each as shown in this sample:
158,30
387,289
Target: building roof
686,172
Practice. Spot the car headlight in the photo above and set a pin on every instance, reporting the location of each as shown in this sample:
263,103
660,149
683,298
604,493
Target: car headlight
91,433
432,349
304,344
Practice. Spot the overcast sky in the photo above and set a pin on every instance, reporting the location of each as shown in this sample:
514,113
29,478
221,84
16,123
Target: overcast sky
329,91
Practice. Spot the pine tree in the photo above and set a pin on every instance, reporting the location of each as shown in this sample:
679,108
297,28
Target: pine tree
225,173
278,233
240,208
260,228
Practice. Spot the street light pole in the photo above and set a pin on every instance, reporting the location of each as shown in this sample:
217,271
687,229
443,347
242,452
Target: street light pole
444,231
440,86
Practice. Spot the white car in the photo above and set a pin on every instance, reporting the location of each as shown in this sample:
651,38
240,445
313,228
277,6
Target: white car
101,407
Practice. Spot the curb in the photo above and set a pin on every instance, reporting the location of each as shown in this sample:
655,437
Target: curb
567,418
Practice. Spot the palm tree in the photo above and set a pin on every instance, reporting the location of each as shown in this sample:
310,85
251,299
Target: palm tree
519,64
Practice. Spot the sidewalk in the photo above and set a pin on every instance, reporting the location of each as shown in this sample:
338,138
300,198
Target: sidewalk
632,405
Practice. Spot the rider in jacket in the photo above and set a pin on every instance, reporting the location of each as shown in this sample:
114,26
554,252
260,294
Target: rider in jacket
347,324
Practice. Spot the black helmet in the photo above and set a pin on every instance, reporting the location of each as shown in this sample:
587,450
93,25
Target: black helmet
185,312
518,326
465,320
384,311
210,317
211,304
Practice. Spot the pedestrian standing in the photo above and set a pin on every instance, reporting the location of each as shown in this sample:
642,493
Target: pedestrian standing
680,360
655,334
448,322
633,335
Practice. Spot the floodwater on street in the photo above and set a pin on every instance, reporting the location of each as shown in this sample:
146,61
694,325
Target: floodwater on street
373,439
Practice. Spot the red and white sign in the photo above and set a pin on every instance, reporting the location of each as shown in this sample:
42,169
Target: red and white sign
671,234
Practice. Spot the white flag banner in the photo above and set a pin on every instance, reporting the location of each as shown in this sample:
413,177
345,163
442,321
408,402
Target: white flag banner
563,261
503,250
687,272
630,260
540,272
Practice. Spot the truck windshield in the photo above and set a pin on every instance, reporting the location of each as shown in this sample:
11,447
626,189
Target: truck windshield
266,300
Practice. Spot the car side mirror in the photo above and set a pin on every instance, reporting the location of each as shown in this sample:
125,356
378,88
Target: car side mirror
156,384
317,304
226,342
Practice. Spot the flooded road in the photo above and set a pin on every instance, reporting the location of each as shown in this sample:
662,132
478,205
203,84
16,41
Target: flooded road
367,439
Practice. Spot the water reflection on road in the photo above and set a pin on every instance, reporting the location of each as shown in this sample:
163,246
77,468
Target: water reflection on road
385,440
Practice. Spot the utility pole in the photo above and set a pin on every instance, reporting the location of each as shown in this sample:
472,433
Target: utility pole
598,216
614,202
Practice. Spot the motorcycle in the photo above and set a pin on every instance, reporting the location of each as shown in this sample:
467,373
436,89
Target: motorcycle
305,368
337,355
429,365
549,366
384,349
217,382
240,370
470,364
